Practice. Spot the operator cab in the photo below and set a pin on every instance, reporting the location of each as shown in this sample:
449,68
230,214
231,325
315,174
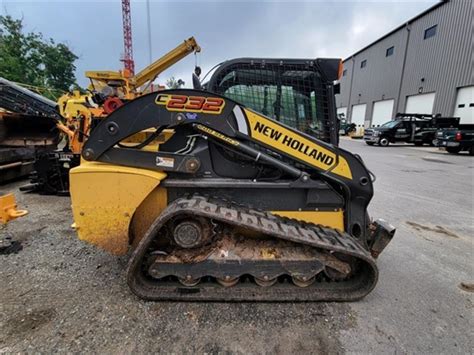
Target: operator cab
291,91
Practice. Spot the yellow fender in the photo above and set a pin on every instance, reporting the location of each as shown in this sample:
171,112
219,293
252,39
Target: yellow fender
113,204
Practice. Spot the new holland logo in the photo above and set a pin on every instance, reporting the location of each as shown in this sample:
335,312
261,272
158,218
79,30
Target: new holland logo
295,144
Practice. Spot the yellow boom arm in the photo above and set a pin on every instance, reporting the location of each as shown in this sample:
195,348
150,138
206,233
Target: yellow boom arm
131,84
104,75
175,55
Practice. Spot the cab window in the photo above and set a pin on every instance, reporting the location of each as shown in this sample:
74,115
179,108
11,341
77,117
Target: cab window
391,124
290,95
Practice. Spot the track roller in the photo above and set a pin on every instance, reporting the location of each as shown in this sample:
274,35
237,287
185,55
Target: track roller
189,281
303,281
265,281
228,281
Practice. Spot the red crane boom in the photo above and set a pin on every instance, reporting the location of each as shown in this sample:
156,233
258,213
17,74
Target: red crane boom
128,62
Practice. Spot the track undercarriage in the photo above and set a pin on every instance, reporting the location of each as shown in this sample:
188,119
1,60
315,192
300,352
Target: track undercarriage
207,249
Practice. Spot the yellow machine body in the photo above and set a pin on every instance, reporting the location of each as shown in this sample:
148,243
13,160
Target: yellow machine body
333,219
113,206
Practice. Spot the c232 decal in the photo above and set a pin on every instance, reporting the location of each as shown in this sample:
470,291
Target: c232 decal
182,103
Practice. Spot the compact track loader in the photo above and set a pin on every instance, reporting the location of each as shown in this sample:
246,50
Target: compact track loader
232,204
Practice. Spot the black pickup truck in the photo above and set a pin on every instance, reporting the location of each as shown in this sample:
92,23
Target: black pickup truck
413,128
458,139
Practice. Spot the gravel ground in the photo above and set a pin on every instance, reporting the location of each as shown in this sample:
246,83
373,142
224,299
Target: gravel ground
59,294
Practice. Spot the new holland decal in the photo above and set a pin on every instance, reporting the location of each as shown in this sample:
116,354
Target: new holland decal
295,145
182,103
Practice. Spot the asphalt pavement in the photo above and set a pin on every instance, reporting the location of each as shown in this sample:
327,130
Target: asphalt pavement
59,294
419,305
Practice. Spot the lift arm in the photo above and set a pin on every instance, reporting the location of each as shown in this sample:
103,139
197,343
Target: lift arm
221,119
236,127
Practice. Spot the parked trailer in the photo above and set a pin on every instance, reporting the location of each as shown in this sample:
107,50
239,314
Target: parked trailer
27,127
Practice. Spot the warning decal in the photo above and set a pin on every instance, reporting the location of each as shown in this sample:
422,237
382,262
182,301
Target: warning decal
165,162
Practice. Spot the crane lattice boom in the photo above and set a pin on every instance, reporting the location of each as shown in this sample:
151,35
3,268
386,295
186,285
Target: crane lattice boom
127,37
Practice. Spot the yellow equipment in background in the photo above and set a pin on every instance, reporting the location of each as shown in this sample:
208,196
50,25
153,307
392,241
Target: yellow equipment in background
125,86
78,111
109,91
8,209
75,114
358,133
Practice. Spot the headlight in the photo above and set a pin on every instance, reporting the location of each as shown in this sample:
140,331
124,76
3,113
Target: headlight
376,133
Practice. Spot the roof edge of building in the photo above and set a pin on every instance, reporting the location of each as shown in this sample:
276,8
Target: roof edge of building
413,19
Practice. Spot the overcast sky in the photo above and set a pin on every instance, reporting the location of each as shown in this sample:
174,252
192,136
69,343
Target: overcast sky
224,29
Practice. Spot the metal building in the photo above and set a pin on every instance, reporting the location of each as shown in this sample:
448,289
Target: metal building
422,66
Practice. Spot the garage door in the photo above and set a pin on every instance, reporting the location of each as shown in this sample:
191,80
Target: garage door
422,103
382,112
358,114
465,105
342,111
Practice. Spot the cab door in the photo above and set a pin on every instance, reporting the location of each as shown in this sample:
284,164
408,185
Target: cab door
403,131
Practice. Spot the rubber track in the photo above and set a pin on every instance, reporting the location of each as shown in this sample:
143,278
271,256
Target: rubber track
354,288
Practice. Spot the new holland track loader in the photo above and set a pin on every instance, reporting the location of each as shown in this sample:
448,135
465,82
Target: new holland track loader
234,204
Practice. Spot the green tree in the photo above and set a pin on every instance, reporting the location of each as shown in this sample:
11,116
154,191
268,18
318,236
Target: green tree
172,83
30,59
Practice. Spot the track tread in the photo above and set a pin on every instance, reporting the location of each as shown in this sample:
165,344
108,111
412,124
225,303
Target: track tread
317,236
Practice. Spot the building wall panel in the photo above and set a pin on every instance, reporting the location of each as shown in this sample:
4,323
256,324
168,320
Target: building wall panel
440,64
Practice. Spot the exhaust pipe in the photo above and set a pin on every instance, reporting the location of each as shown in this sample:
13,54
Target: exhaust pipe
383,233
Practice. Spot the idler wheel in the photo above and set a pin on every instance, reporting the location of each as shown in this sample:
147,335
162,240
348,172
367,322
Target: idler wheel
334,274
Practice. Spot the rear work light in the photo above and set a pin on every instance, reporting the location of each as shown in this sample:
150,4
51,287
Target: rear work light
458,136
